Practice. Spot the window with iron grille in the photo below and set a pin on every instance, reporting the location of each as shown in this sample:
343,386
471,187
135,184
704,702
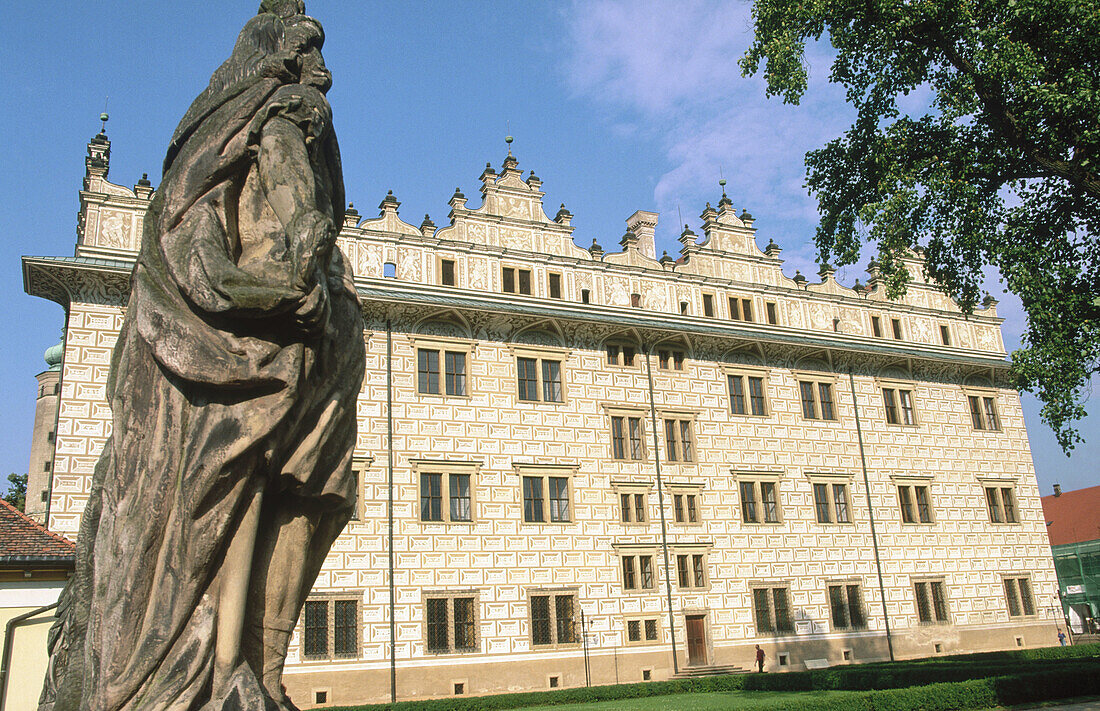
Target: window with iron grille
1019,598
450,622
542,495
759,501
831,503
678,441
898,405
817,400
330,628
1001,504
931,602
627,438
532,388
747,395
553,618
915,503
771,609
641,631
846,606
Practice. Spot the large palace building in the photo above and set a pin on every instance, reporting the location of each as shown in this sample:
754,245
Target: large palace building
587,466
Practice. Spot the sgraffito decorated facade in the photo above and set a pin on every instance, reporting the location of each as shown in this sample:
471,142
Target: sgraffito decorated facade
609,467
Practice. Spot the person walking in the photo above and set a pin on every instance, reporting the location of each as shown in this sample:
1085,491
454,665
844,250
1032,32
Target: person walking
1061,637
759,659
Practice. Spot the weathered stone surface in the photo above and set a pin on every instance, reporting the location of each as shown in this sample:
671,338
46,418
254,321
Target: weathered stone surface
233,385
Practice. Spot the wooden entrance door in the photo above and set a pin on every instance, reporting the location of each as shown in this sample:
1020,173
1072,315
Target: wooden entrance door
697,639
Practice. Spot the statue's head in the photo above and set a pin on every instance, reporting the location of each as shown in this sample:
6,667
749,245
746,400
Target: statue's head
282,8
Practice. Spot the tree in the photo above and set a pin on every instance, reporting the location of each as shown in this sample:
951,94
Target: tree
17,491
1000,169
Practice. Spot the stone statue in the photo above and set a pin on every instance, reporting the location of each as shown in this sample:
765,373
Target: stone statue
233,386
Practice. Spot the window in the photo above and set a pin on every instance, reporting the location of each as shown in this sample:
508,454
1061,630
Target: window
389,270
831,503
931,602
708,305
544,494
772,610
447,272
50,436
846,606
899,406
330,628
684,307
428,372
459,502
895,324
1001,502
670,359
678,441
1018,594
586,296
638,572
450,623
876,326
740,309
773,316
691,571
945,334
534,389
747,395
46,465
623,355
817,400
641,631
916,506
553,285
627,440
983,412
516,281
759,501
636,300
685,507
553,618
633,507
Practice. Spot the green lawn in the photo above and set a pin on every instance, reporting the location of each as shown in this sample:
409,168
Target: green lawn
699,702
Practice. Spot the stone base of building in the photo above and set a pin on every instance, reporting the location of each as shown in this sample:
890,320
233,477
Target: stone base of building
316,685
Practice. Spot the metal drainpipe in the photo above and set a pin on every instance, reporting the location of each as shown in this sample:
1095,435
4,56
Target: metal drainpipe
661,509
871,514
9,637
389,508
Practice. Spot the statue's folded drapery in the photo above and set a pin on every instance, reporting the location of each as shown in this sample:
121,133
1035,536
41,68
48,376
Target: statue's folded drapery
233,388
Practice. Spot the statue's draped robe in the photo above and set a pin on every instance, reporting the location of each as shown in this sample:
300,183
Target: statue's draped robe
214,394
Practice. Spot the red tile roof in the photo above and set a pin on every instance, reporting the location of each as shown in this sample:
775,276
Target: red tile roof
1073,517
23,541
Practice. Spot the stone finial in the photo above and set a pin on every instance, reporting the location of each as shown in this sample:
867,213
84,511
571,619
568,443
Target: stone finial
427,227
687,237
533,181
665,260
709,215
143,189
827,271
643,224
351,216
563,217
389,203
746,217
773,249
97,163
595,250
990,304
511,165
860,289
458,200
488,175
725,202
798,279
628,241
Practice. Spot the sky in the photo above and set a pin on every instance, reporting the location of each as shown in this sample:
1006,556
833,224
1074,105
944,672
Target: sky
616,105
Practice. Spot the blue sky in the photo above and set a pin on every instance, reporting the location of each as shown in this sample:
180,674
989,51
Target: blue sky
616,106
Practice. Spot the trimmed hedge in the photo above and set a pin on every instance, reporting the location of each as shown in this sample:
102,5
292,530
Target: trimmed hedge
933,683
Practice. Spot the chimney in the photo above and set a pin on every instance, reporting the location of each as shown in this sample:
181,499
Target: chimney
643,224
1057,489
